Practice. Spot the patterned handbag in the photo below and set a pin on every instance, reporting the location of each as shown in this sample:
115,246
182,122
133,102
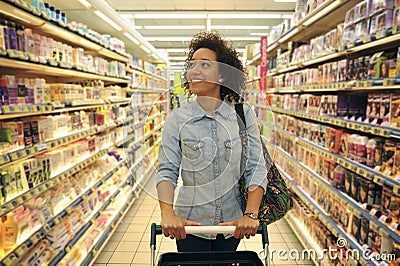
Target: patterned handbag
276,200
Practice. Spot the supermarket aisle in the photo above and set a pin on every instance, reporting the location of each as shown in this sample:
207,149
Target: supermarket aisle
130,244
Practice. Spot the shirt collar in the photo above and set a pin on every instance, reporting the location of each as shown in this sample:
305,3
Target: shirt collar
226,110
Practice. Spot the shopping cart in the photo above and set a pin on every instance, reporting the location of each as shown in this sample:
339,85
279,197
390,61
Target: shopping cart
243,258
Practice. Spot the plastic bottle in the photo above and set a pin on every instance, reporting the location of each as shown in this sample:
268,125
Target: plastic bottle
371,146
57,15
338,177
52,13
361,150
12,31
43,46
30,42
9,232
36,38
352,146
21,38
64,18
49,48
2,41
6,35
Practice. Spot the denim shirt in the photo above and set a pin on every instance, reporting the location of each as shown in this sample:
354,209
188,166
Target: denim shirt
205,150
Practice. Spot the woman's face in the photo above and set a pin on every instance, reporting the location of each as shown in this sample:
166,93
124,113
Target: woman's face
203,73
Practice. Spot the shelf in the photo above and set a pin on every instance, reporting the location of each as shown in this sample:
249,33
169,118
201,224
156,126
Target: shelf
325,219
367,128
141,72
89,222
23,154
52,74
12,111
341,196
324,18
39,234
149,91
358,168
304,237
50,29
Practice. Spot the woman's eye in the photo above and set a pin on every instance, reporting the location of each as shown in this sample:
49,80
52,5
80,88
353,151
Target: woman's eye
191,64
205,65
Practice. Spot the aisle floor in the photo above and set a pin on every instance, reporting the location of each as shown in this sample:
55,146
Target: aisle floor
130,243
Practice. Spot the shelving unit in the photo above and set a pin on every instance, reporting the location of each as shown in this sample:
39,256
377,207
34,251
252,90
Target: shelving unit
134,133
317,23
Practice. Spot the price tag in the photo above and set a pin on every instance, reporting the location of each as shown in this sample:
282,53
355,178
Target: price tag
396,190
379,180
21,250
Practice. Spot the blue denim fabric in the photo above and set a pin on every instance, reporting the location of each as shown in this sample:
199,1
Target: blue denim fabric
205,150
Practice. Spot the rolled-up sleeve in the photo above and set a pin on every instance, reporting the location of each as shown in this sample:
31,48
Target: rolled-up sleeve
256,170
169,155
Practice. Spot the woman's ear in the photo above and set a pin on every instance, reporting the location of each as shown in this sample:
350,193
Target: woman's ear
221,79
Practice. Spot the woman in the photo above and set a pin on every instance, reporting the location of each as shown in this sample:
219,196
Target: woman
201,145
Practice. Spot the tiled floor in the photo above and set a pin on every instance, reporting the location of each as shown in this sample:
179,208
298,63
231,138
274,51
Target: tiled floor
130,244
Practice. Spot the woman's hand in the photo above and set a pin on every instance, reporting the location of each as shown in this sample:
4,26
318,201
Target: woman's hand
174,227
245,227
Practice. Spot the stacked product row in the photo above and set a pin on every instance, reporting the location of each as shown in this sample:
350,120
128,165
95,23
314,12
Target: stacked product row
381,65
24,91
373,108
310,171
15,38
51,13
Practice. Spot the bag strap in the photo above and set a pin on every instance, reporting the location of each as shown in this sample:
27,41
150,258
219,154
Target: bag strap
243,136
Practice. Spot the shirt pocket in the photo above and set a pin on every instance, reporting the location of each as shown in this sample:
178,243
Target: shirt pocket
233,150
194,154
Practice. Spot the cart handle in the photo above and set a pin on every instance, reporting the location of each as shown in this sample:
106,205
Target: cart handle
202,229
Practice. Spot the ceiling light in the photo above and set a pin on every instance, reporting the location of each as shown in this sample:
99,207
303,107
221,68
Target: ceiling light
259,34
167,39
247,16
85,3
287,16
170,15
108,20
144,48
177,58
244,38
285,1
175,27
239,27
174,50
138,27
127,16
130,37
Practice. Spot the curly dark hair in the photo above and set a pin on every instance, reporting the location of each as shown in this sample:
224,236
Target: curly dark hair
232,71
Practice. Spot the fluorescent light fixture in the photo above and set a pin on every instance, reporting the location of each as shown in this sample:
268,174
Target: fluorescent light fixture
108,20
177,63
259,34
244,38
144,48
127,16
285,1
246,16
85,3
177,58
238,27
170,15
287,16
130,37
167,39
173,50
138,27
175,27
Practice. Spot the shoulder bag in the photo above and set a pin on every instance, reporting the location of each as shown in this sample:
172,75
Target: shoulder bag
276,199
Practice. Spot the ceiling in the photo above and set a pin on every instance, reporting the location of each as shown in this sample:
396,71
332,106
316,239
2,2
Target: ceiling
171,35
